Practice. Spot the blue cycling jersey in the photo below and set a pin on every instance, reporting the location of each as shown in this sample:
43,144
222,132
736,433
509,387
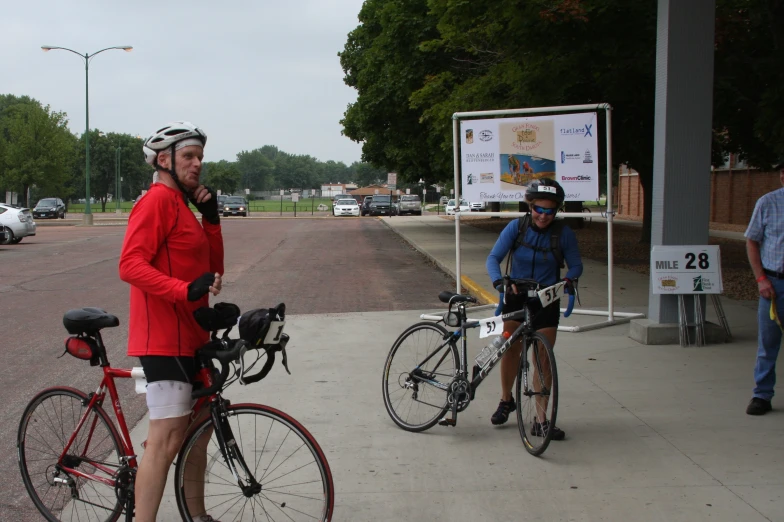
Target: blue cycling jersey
535,262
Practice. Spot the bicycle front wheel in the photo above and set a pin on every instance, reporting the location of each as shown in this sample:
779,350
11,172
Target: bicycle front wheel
285,473
536,392
416,376
56,480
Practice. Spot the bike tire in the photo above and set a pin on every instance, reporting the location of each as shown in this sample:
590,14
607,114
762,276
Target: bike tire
407,353
536,352
47,424
306,491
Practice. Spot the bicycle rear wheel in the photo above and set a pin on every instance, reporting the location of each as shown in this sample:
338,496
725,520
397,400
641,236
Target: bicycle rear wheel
295,482
411,398
536,392
48,423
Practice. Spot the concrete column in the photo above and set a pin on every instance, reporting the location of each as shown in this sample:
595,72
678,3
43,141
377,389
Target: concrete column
682,142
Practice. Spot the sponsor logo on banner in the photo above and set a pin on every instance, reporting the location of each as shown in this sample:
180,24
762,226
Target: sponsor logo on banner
471,179
585,131
702,284
587,158
668,284
570,157
580,178
480,157
486,135
469,136
486,177
526,137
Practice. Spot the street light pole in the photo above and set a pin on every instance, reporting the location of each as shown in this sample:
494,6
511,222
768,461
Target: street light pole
118,180
88,215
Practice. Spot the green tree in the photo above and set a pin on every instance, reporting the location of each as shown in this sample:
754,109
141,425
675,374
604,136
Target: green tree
37,148
256,169
222,175
383,60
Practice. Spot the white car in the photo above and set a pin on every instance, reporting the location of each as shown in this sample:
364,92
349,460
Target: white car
346,207
477,206
450,207
17,222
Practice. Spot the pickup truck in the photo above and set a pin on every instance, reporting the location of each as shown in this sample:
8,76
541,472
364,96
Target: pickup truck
410,204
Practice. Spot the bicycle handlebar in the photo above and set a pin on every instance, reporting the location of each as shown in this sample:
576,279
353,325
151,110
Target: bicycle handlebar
218,350
570,306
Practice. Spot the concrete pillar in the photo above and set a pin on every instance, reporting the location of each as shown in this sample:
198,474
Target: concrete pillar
682,144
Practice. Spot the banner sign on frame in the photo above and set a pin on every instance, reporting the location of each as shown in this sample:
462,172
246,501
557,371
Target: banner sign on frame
501,157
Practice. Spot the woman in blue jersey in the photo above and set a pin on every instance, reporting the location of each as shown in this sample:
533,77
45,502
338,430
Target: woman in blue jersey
532,257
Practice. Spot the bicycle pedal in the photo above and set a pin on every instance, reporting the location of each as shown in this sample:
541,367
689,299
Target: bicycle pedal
447,422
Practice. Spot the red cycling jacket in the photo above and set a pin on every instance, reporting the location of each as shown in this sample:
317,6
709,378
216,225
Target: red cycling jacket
165,249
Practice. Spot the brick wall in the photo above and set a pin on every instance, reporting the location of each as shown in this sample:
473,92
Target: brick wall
734,192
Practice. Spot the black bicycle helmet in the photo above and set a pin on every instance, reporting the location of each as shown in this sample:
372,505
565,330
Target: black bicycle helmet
545,188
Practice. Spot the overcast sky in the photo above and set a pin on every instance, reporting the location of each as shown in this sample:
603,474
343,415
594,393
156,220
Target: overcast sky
250,73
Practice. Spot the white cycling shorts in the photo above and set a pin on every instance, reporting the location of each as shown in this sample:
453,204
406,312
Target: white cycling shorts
169,399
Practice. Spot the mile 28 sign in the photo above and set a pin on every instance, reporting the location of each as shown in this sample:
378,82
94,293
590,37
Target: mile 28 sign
686,269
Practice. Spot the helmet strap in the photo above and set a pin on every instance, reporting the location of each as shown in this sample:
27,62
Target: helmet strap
173,174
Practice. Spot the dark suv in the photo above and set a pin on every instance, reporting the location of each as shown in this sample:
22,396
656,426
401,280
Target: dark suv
381,205
49,208
364,208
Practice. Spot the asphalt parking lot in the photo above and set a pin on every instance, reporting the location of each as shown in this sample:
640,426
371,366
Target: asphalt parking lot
315,266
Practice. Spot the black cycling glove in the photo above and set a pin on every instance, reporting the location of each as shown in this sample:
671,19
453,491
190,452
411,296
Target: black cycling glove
201,286
498,284
209,208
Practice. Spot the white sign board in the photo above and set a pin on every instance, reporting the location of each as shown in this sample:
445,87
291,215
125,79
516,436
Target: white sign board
282,192
392,180
686,269
501,157
247,191
295,197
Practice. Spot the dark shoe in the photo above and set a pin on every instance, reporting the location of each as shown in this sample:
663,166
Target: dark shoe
539,430
758,406
501,415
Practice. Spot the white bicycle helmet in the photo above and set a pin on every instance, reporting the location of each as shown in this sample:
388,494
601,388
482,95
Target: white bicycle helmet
168,136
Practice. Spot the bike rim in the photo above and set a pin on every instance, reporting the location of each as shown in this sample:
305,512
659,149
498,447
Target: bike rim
537,396
294,477
411,400
46,427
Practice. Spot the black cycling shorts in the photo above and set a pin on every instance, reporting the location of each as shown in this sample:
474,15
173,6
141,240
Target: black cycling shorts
165,368
547,318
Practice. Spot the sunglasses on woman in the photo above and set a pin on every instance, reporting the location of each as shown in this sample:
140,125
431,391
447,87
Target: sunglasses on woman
543,210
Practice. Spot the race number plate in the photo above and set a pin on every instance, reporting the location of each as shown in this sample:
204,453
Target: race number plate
551,293
273,334
491,326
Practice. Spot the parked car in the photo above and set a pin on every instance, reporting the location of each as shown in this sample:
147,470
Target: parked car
346,207
235,206
365,208
222,200
335,199
450,207
444,200
52,208
382,206
477,206
17,222
410,204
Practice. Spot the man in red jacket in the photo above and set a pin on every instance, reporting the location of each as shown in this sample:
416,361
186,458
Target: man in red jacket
172,263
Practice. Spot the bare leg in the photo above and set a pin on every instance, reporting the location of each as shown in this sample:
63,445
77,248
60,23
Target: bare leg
163,442
195,467
546,376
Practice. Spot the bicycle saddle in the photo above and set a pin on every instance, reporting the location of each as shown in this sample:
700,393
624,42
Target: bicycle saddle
88,320
446,297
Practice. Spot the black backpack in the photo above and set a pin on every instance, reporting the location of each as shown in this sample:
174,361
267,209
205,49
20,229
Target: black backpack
523,224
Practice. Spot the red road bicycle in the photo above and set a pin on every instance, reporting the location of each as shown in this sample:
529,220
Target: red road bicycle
261,463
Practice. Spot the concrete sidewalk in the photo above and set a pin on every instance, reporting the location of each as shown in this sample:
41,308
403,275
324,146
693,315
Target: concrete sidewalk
654,433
